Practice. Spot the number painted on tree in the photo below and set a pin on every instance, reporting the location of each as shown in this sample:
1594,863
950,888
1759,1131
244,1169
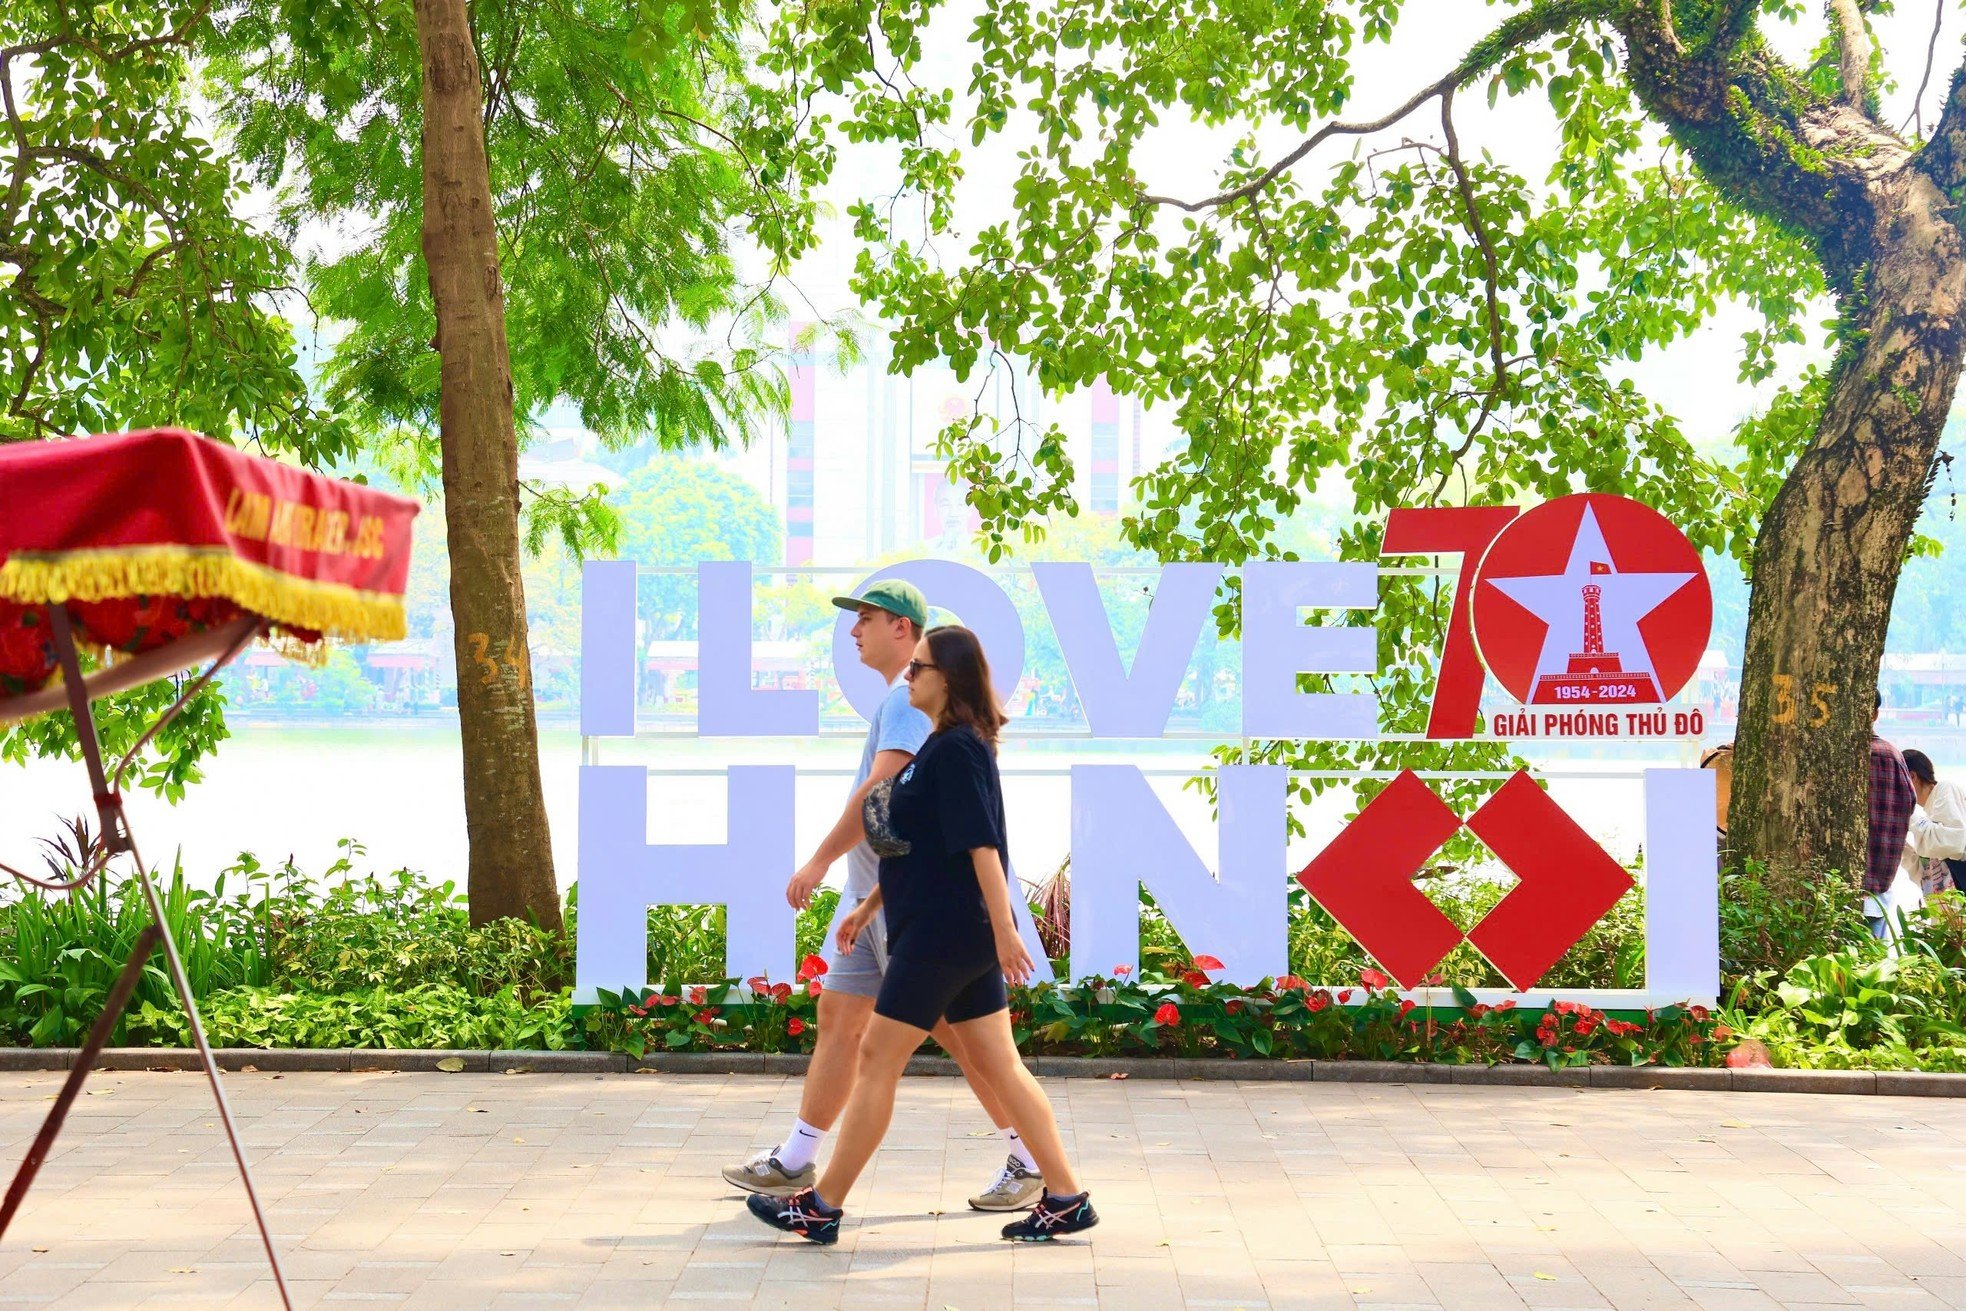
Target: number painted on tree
513,658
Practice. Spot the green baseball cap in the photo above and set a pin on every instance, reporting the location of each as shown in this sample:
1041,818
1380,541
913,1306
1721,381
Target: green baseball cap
892,595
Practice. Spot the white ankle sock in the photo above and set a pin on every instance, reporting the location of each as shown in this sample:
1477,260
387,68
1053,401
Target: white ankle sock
800,1146
1017,1148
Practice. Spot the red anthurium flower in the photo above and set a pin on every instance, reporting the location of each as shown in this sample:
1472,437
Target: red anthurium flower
650,1000
1195,979
666,1000
1699,1014
637,1010
814,987
758,983
1344,996
1234,1008
697,994
706,1016
1477,1010
1290,981
1207,963
811,968
780,991
1168,1013
1374,979
1319,1001
1405,1007
1121,971
795,1026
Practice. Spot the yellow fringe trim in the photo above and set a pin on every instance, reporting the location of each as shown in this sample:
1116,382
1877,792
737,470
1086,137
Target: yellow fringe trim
332,609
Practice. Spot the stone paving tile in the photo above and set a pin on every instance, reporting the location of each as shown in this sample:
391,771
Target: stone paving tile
588,1192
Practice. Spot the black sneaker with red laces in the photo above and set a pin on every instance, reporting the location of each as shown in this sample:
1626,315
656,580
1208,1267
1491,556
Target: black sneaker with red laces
1053,1217
799,1214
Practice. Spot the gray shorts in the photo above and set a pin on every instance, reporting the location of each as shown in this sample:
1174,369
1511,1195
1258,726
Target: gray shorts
860,973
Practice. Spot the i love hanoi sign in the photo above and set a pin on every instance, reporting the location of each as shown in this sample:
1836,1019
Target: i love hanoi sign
1591,611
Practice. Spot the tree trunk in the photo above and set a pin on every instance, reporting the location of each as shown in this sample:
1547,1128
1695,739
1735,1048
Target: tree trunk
1827,559
511,859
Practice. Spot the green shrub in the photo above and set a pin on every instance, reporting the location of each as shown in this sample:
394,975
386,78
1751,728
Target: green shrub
430,1015
347,933
1858,1009
60,953
1772,918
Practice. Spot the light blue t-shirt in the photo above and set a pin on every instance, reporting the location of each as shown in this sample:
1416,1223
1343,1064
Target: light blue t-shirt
896,726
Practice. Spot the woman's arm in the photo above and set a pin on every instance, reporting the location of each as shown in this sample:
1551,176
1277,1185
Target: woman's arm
857,921
1011,952
1942,832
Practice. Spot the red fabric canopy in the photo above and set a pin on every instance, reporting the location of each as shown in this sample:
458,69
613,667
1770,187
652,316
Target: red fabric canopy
150,537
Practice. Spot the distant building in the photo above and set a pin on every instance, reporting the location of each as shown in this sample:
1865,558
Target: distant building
854,476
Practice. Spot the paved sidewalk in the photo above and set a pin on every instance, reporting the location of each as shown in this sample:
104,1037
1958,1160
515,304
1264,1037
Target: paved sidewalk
434,1190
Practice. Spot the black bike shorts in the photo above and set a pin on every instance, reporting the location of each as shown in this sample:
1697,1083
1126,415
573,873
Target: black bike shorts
919,992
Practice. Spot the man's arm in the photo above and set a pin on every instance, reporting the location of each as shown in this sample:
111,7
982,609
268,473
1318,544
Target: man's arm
849,832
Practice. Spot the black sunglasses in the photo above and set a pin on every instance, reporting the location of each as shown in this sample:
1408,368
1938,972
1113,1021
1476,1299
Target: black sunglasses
916,667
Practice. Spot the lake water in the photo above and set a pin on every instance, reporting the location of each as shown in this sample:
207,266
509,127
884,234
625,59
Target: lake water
282,790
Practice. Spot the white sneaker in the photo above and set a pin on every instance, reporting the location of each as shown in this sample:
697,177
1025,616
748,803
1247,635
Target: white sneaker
1016,1188
763,1174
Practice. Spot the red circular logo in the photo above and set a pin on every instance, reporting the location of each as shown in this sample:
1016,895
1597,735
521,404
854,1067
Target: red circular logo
1592,600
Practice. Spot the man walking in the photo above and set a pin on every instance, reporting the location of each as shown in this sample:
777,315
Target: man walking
892,615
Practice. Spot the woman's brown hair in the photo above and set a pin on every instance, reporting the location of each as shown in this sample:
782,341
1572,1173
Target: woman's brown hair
958,655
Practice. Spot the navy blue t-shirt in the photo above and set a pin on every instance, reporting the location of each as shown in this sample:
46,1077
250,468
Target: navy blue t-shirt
946,803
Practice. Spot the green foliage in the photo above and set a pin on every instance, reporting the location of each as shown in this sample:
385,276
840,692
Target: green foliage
619,188
167,767
1772,918
1859,1009
362,960
59,955
1418,324
137,292
348,933
134,289
422,1016
679,511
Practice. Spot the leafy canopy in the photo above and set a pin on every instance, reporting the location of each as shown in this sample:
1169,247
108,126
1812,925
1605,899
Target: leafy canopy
619,186
1400,315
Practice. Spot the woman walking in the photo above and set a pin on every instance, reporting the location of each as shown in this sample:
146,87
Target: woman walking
939,829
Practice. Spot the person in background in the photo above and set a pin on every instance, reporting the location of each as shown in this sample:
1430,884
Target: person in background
1891,804
1935,845
1720,760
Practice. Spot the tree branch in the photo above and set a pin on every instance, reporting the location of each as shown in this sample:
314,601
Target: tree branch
1518,31
1917,120
1852,50
174,36
1479,231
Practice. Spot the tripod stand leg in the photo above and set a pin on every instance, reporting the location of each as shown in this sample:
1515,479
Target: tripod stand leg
183,985
116,838
119,997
